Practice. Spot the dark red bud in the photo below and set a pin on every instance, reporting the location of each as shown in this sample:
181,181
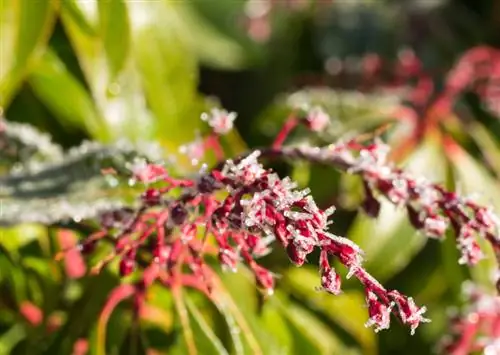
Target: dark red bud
414,218
330,281
178,214
127,266
207,184
87,247
264,278
151,197
371,206
296,256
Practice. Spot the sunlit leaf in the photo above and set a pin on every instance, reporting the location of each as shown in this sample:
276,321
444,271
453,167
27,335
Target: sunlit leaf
25,27
347,310
168,68
11,337
309,334
205,337
114,25
49,79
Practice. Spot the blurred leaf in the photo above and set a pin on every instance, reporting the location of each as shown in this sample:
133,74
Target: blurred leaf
237,297
203,334
209,42
73,9
168,68
83,313
389,241
301,173
25,27
114,24
23,145
11,337
49,79
309,334
15,238
12,278
108,67
347,310
70,188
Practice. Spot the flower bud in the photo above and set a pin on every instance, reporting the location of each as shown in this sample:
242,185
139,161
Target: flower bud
127,266
151,197
330,281
264,278
178,214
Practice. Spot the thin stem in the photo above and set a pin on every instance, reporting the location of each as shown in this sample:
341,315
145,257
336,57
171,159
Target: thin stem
283,134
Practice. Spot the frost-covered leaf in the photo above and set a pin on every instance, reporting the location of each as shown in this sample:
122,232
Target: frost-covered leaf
22,145
71,186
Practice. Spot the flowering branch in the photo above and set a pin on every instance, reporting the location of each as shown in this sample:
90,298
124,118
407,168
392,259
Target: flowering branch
235,211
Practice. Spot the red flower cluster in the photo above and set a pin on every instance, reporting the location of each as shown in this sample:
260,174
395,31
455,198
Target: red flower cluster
238,209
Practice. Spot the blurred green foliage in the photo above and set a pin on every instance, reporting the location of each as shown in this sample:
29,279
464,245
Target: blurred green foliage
113,69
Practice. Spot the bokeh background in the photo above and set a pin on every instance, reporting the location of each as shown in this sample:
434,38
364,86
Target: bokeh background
144,71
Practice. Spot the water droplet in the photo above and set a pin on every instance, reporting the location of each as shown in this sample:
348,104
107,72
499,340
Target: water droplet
114,89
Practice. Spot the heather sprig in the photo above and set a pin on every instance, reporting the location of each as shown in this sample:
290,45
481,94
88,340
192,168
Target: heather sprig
239,210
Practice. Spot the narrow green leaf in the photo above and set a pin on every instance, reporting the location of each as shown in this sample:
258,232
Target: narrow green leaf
11,337
73,9
310,335
49,79
25,27
168,68
114,25
109,69
347,310
204,336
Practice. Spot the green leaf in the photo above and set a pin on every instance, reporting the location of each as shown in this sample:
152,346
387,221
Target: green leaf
208,42
389,241
168,68
348,310
73,9
11,337
203,334
310,335
24,146
25,27
49,79
238,297
114,24
105,59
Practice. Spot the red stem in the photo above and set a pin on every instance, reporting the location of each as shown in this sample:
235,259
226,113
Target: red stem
289,125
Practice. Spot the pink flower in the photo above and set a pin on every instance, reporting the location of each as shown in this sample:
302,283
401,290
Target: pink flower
194,150
317,119
221,121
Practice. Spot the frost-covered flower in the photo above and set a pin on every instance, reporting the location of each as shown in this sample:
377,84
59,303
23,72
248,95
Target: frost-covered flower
221,121
195,150
317,119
